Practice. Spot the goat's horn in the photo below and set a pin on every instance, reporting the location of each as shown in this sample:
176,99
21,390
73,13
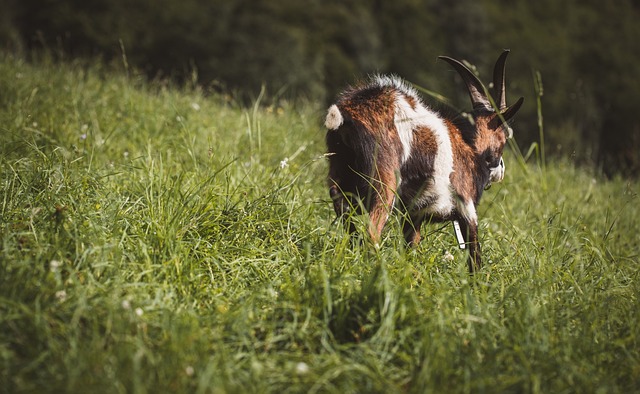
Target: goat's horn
474,86
498,80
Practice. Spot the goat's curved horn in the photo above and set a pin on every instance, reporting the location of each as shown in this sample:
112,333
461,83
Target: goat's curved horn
499,80
474,86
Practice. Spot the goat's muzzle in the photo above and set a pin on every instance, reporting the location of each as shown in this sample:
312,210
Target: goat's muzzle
496,174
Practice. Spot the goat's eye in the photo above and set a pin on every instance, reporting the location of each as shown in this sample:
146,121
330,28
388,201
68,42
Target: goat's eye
490,161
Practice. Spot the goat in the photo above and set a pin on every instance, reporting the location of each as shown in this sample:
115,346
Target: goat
384,142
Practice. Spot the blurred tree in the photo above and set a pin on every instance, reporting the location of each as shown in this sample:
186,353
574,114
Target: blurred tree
261,42
587,52
350,42
411,40
607,38
538,33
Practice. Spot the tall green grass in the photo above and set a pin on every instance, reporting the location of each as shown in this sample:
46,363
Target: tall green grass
160,239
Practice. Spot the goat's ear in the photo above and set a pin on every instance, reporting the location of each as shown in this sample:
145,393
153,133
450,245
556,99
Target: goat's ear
512,109
505,115
474,86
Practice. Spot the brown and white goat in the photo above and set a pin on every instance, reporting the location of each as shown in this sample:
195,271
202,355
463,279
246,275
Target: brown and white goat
384,142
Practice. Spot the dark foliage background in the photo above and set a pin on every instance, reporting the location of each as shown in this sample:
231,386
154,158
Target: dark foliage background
587,51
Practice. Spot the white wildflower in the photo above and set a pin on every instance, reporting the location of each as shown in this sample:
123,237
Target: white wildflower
284,163
448,256
61,295
302,368
139,312
195,106
189,370
126,304
54,265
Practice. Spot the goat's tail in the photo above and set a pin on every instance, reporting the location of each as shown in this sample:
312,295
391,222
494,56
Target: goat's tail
334,118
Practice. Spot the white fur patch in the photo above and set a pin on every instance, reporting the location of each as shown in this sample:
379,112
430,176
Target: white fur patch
397,83
334,118
468,210
438,194
443,164
496,174
405,122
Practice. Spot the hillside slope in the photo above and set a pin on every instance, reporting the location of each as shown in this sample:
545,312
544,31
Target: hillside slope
159,239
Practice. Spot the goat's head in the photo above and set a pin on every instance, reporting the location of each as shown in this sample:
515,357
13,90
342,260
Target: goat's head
490,118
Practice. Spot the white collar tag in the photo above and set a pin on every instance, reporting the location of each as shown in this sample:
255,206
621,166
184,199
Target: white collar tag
456,227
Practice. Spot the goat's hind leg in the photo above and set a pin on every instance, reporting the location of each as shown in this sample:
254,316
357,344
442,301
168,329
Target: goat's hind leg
411,227
342,205
381,203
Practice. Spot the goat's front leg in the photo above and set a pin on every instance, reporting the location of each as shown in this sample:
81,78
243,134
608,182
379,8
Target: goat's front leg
340,203
468,220
342,206
469,230
411,228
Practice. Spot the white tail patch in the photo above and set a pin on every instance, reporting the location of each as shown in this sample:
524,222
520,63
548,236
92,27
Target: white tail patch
334,118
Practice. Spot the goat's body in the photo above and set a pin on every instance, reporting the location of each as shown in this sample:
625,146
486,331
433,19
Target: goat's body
385,144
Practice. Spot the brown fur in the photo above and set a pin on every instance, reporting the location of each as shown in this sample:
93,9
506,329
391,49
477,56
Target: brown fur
464,166
367,157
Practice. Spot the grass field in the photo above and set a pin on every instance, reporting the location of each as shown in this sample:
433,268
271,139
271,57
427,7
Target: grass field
157,239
